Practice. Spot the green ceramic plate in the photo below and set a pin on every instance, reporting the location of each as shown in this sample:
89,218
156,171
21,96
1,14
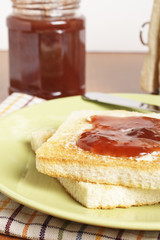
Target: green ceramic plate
20,180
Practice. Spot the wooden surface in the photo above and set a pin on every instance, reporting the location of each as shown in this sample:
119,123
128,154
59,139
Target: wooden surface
105,72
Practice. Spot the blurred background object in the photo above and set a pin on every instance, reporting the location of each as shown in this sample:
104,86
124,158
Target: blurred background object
114,54
150,76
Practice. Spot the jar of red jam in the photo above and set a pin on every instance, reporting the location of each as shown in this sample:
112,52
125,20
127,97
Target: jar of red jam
47,48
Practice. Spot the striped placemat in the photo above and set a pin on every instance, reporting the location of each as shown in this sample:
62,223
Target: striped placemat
18,220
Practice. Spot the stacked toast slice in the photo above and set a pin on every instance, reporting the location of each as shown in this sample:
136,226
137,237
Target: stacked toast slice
101,180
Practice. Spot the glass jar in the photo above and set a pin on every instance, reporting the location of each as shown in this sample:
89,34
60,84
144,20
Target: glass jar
47,48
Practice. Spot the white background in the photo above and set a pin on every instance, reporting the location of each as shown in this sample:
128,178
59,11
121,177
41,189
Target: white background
111,25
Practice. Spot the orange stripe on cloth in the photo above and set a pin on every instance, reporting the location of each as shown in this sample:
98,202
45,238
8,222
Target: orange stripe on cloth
11,104
25,230
100,233
140,235
4,204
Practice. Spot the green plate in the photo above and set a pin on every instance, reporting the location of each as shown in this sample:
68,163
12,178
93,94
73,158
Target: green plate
20,180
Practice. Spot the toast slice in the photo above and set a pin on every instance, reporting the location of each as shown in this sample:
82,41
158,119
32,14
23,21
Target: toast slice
104,196
95,196
61,157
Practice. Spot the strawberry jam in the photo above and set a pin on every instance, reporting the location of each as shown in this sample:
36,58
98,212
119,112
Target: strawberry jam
121,136
47,55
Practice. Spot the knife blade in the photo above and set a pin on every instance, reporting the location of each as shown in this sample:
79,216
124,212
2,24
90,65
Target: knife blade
119,101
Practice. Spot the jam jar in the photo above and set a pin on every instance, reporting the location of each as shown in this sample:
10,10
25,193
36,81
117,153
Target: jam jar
47,48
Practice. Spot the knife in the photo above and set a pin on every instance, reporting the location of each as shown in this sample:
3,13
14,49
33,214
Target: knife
119,101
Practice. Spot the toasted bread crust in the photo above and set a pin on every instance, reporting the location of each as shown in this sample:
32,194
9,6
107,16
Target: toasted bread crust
60,156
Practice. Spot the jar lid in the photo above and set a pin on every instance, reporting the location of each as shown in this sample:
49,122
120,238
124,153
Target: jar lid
41,3
44,7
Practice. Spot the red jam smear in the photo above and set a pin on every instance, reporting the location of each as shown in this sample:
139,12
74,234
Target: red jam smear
121,136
